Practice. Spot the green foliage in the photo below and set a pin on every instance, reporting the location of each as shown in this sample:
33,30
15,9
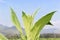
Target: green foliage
32,29
17,24
2,37
40,24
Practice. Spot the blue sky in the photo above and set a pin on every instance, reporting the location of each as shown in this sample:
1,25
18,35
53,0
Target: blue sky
29,6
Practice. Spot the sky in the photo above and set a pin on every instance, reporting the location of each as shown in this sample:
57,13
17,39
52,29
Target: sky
29,6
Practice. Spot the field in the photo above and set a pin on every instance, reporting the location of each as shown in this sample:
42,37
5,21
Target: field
42,39
50,38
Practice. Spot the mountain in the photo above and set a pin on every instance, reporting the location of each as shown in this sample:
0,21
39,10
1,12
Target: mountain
50,30
10,31
2,27
13,32
50,33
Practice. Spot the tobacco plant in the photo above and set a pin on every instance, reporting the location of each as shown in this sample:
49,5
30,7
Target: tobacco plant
32,29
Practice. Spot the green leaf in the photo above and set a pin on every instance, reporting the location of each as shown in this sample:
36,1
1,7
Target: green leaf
16,22
2,37
41,23
36,12
27,20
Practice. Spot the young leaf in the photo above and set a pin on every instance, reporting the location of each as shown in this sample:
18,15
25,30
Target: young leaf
27,23
15,20
3,37
16,23
41,23
36,12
